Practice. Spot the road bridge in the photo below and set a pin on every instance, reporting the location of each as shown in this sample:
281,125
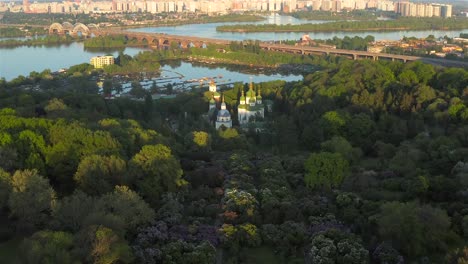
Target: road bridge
354,54
160,40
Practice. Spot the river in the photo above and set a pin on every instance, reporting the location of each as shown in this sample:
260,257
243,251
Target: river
209,31
25,59
187,75
22,60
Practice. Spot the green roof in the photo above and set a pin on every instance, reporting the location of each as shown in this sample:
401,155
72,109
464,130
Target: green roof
250,93
251,108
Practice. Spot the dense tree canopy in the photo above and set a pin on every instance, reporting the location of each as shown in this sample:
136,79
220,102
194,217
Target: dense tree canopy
325,170
31,199
361,161
156,171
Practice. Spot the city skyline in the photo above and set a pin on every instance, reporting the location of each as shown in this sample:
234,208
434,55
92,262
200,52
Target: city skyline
404,8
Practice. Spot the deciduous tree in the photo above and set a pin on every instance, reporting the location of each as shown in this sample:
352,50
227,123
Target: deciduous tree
31,199
325,170
157,171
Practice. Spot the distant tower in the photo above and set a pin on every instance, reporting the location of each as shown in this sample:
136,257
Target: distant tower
212,103
114,5
214,90
224,117
26,6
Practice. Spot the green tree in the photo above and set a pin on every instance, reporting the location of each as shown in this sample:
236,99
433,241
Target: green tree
31,147
332,123
198,141
56,108
137,90
325,170
31,199
334,247
101,245
48,247
71,212
181,252
413,229
55,104
128,206
99,174
156,171
340,145
5,188
107,87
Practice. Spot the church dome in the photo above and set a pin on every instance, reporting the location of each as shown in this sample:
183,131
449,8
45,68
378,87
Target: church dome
224,113
251,93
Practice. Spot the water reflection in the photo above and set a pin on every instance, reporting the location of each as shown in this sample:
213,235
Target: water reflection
182,75
25,59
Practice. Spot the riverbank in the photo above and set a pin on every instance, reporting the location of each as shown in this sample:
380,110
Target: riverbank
402,24
335,16
8,31
247,67
52,40
188,21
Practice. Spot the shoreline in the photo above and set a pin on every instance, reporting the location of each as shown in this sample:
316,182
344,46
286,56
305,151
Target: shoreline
241,30
181,23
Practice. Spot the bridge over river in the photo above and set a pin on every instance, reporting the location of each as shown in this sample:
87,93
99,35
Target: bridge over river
159,40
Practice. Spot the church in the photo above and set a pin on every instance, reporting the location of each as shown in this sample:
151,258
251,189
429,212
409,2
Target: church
250,106
223,117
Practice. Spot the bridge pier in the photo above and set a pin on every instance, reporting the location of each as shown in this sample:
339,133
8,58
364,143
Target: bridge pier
165,41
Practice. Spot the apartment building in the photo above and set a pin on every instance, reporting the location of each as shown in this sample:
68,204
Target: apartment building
101,61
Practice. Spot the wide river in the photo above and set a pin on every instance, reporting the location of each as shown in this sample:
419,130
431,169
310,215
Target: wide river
23,60
209,31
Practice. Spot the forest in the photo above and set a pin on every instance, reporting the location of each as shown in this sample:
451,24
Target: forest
360,162
404,23
349,15
46,40
8,32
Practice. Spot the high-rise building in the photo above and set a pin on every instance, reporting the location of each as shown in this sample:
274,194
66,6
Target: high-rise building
446,11
101,61
26,6
436,10
428,11
420,10
326,5
406,8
